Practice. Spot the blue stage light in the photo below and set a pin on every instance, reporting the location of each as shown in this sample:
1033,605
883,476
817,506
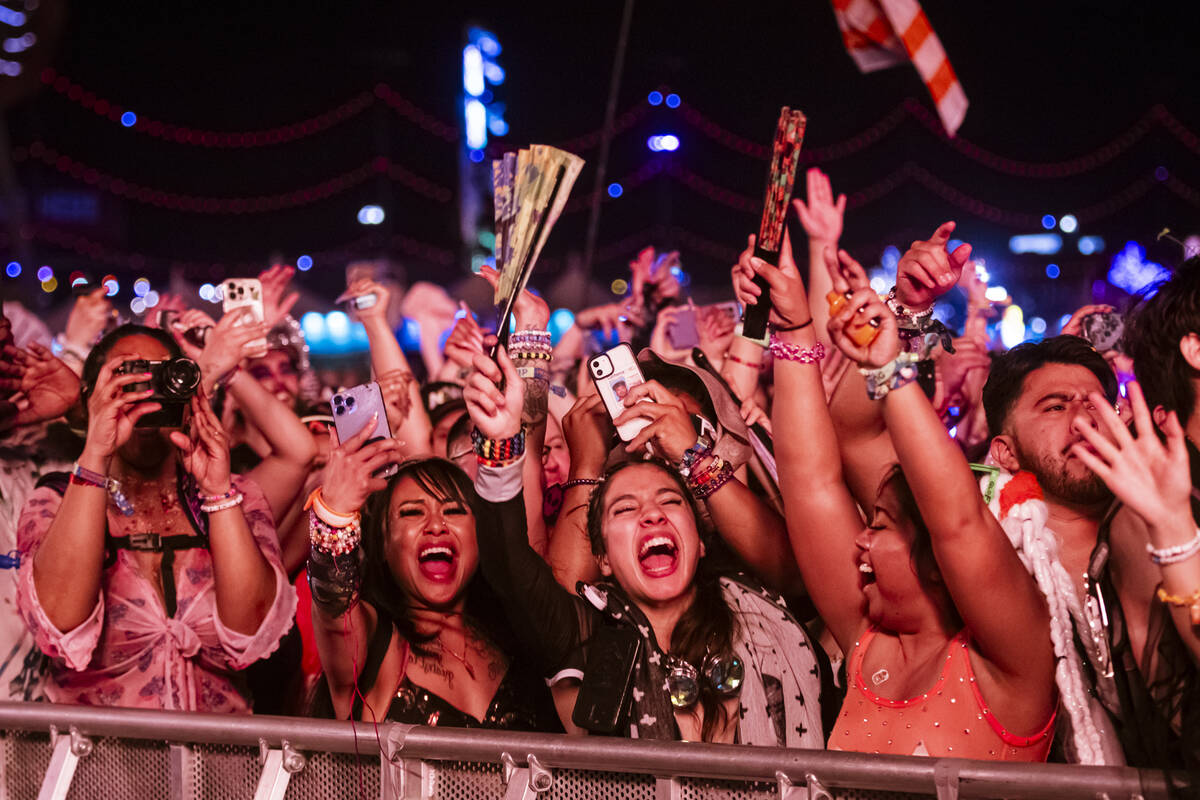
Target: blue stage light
129,119
1052,271
615,190
655,98
304,263
672,100
1048,222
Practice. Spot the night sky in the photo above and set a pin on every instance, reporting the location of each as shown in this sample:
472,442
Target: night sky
1046,81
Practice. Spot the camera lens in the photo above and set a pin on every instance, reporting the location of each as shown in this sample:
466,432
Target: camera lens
349,401
180,378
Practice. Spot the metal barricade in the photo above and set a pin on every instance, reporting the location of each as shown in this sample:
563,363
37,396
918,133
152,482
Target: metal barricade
53,752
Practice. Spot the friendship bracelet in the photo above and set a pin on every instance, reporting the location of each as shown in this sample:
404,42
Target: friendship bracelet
744,362
790,328
232,502
333,539
316,503
718,473
906,316
498,452
216,498
801,355
1190,602
1175,553
694,454
890,376
537,355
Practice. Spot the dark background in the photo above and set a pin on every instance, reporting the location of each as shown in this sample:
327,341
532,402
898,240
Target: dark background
1047,82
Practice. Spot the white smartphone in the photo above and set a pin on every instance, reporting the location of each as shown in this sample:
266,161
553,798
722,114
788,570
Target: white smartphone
615,372
246,294
352,410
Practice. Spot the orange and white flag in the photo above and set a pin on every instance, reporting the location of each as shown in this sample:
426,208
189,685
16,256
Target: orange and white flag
883,33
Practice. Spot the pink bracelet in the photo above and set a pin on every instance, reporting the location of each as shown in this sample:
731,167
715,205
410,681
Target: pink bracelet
801,355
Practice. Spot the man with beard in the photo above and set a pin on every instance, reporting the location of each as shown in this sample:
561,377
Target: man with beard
1033,397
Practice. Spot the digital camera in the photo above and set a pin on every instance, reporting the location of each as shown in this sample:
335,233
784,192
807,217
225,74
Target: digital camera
173,382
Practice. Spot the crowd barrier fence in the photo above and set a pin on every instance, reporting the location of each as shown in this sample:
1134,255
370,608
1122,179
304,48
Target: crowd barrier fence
54,752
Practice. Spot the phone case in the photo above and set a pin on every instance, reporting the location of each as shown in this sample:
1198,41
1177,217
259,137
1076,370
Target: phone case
246,293
615,372
352,410
683,333
607,683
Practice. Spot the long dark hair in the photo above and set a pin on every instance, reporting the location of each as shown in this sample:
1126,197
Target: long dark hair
708,626
443,480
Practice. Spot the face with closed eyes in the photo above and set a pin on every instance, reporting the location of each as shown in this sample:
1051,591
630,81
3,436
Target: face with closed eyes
652,544
430,547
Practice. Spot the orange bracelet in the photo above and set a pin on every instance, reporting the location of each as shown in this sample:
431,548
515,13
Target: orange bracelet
337,519
1190,602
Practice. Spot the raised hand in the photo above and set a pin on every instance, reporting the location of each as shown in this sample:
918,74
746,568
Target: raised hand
660,340
113,412
530,311
1149,476
789,299
863,308
204,450
89,316
610,317
587,431
1074,326
496,412
47,386
821,216
167,305
277,302
350,472
716,329
227,343
365,286
927,271
670,431
465,340
189,328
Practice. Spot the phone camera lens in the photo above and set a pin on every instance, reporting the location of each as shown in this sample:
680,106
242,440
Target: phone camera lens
349,402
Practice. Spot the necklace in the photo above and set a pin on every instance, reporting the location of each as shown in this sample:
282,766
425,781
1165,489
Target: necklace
459,657
880,676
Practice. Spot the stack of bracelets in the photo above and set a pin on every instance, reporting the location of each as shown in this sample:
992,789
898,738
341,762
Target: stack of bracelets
704,481
220,502
1165,556
498,452
330,531
531,346
81,476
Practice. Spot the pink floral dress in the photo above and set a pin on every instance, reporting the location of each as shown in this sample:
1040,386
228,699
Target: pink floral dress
129,652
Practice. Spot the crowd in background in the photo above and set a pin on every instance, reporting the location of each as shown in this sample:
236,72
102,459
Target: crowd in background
773,542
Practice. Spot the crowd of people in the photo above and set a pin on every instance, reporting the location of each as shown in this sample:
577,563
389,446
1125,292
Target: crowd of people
770,542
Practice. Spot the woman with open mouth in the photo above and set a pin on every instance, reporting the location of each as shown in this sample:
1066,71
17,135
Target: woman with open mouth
665,646
946,635
404,628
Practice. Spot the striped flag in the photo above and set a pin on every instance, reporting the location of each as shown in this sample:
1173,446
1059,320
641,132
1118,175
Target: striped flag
883,33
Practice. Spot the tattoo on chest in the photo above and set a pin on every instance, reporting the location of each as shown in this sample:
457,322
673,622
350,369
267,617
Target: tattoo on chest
431,665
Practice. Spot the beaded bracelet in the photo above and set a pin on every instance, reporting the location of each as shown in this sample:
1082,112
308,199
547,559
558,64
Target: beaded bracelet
691,456
1176,553
582,482
531,354
1190,602
718,473
498,452
532,334
906,316
216,498
332,539
232,502
801,355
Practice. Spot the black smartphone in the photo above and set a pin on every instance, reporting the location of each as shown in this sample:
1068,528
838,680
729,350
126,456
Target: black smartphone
608,680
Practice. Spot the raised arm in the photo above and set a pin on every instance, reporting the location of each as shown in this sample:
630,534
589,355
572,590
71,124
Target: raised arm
390,366
68,564
342,625
822,519
822,218
995,595
1152,478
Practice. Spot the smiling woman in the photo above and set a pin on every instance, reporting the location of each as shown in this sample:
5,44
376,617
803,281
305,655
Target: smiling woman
665,646
404,630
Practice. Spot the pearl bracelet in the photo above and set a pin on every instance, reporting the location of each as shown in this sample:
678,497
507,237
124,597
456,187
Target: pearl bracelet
222,505
1175,553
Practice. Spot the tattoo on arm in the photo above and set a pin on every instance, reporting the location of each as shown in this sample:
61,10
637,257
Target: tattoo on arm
537,390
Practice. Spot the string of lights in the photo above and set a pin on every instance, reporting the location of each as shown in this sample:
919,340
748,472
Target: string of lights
257,204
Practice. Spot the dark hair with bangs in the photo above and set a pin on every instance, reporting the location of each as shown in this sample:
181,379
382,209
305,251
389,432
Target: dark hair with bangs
98,355
443,480
1168,312
708,625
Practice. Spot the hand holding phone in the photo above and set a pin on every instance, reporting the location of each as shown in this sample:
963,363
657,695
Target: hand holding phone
245,294
615,372
354,409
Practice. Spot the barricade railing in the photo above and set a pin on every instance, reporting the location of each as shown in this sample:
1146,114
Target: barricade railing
59,751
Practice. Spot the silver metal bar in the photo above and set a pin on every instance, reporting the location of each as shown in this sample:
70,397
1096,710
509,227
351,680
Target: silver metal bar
667,789
67,752
272,784
181,767
729,762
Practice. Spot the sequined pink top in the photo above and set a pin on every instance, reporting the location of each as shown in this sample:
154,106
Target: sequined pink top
129,652
951,719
